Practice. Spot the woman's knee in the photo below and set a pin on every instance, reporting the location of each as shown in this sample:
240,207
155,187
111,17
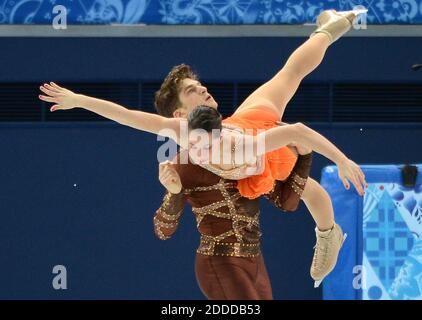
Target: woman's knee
311,188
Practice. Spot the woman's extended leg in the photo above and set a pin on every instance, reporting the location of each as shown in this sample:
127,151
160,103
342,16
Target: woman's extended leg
277,92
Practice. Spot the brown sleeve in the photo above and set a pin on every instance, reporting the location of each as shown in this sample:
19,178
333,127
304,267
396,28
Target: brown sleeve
286,194
167,217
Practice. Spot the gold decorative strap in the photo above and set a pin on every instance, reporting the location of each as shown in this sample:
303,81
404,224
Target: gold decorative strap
216,205
298,179
221,184
228,249
219,237
162,224
296,188
160,233
171,217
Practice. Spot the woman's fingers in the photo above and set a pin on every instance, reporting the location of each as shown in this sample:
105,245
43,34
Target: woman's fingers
352,173
46,85
363,181
356,182
55,85
55,107
48,99
346,183
49,92
362,178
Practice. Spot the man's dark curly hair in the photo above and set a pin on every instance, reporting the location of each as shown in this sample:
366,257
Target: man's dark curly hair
167,98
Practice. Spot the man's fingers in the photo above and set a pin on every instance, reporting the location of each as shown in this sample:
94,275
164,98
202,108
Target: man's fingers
166,176
165,164
170,174
169,180
162,168
169,177
166,169
165,181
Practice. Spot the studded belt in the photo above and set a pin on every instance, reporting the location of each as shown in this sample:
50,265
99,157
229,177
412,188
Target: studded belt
229,249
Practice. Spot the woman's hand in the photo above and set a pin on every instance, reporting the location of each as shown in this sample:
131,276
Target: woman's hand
62,98
169,177
350,171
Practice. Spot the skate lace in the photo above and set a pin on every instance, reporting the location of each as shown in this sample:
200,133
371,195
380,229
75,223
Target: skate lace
320,253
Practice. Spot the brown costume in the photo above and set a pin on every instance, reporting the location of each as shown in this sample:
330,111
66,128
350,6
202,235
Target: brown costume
229,263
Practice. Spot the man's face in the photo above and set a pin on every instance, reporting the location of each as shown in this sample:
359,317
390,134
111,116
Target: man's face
193,94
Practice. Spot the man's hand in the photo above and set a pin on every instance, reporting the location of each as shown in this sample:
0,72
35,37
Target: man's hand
64,99
169,177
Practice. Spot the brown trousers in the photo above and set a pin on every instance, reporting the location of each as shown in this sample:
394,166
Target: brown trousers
233,278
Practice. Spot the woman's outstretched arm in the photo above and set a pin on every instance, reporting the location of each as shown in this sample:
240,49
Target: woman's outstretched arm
278,137
65,99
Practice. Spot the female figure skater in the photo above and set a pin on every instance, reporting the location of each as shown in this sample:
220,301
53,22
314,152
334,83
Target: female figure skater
270,105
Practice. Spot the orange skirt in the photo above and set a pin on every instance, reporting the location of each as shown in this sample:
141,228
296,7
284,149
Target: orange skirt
278,163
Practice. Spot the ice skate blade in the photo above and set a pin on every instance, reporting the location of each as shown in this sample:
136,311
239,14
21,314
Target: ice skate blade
356,12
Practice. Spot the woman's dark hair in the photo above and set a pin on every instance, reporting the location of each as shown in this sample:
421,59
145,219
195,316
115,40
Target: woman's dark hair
204,117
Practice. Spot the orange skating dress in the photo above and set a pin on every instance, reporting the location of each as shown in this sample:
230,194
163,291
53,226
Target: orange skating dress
275,165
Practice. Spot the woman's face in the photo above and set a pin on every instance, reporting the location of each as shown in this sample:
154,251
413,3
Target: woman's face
202,146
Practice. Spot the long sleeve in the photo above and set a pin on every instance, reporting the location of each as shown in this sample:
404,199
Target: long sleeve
286,194
166,218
